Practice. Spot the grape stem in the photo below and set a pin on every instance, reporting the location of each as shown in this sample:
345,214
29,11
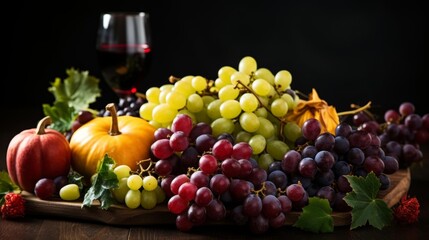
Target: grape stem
282,122
148,169
191,170
360,109
260,191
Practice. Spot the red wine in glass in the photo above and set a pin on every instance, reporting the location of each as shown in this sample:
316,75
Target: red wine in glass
123,51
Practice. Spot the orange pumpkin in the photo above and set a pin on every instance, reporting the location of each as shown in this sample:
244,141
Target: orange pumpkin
37,153
126,139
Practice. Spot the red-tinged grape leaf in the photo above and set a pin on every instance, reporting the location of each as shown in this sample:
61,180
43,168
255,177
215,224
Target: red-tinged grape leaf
366,207
316,216
102,182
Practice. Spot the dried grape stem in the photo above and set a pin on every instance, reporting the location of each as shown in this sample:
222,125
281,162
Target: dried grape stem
368,105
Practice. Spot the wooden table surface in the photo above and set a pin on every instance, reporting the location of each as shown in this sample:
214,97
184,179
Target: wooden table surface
48,227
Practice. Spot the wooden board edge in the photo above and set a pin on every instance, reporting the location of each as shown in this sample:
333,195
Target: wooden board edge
121,215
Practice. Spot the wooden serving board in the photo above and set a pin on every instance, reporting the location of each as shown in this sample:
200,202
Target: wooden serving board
121,215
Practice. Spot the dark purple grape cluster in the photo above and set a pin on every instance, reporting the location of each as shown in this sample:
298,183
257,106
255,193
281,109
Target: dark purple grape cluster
322,160
126,106
401,134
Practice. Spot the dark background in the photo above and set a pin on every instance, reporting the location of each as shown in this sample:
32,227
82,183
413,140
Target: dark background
351,52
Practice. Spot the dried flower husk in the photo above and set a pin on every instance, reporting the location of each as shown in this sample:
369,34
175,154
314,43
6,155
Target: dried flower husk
317,108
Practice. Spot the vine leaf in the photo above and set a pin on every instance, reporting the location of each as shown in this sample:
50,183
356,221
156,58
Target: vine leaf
367,208
316,216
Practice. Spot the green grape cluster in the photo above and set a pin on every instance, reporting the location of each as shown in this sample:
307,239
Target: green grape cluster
248,102
134,190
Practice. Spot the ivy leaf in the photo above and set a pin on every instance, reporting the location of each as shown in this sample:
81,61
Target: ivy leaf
316,216
366,207
103,180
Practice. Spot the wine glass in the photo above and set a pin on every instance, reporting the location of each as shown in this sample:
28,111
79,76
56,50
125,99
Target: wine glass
124,50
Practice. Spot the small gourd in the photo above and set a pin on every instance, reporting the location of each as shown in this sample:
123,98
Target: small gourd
126,139
37,153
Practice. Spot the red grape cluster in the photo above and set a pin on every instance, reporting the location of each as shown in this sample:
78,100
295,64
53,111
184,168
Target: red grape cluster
207,178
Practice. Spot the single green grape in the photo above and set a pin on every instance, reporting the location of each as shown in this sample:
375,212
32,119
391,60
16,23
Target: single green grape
120,192
152,94
194,103
266,74
148,199
243,136
248,102
176,100
283,79
247,65
133,199
264,160
261,87
199,83
70,192
258,143
150,183
279,107
229,92
230,109
122,171
184,87
146,110
163,113
213,109
277,149
249,122
222,125
292,131
225,73
289,101
134,182
266,128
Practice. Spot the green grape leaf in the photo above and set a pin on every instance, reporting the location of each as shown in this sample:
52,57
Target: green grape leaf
74,93
316,216
79,89
366,207
102,183
62,115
